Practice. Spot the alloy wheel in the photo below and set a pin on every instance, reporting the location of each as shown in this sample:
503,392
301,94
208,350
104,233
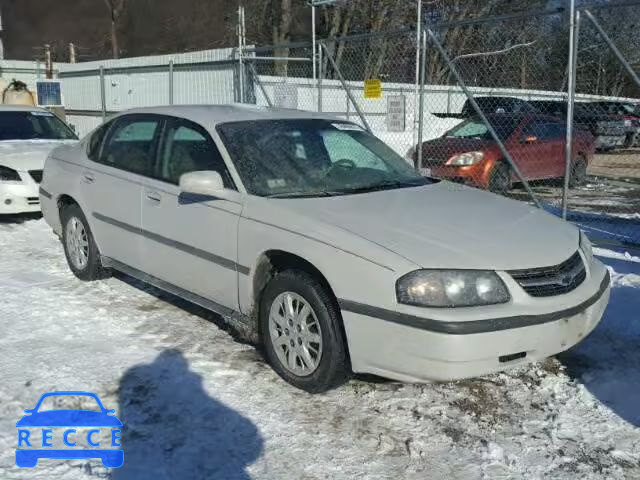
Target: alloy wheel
295,333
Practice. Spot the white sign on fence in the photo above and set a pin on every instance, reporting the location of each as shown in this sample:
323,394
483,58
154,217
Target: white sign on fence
285,95
396,113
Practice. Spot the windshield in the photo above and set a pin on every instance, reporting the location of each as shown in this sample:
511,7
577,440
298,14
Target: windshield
298,158
33,125
475,128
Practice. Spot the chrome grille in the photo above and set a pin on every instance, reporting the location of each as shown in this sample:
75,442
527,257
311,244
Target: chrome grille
36,175
550,281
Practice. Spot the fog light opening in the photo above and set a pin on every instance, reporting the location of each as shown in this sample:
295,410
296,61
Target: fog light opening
8,201
512,357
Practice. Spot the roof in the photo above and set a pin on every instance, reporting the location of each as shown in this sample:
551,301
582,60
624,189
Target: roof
20,108
215,114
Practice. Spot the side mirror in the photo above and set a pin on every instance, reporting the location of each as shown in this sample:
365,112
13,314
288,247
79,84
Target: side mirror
208,183
529,139
110,411
28,410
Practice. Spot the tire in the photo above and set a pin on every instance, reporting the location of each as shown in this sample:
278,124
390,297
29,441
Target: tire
91,268
500,179
628,140
327,361
578,173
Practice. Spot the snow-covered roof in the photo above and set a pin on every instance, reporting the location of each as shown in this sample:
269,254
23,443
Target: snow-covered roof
20,108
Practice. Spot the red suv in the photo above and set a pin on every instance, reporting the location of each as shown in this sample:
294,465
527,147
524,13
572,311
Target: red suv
536,143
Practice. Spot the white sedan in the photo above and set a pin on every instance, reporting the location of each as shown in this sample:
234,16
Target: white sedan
314,238
27,135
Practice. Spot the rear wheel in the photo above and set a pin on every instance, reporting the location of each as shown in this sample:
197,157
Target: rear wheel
301,332
578,173
80,248
500,180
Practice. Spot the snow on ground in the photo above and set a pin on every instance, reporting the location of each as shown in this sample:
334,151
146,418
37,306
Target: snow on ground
197,404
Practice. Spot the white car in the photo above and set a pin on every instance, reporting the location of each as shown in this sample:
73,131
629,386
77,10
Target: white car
313,237
27,135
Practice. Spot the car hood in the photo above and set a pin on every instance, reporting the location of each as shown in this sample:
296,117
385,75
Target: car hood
69,418
27,155
440,150
446,225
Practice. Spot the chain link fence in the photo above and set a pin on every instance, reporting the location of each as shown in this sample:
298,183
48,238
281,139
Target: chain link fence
485,101
481,101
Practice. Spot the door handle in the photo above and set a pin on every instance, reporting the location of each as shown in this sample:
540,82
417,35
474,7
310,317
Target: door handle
87,177
153,196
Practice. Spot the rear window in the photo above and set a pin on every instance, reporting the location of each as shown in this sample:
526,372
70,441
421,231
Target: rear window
33,125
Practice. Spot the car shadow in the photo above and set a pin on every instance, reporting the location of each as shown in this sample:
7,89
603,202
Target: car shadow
607,362
174,430
19,218
185,305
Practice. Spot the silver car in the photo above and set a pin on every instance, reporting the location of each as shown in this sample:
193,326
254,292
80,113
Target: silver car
314,238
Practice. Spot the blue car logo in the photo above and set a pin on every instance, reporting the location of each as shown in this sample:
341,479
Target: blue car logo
69,418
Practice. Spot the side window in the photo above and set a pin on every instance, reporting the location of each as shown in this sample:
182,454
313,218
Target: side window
95,142
344,147
131,145
189,148
537,129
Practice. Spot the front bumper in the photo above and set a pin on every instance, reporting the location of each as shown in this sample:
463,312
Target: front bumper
440,351
19,197
472,175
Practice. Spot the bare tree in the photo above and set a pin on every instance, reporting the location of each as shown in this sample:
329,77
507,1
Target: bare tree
116,10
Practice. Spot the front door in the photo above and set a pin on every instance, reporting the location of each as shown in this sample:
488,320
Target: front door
111,185
190,242
532,152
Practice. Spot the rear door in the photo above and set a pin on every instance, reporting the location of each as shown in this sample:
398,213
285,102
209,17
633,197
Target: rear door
111,185
191,242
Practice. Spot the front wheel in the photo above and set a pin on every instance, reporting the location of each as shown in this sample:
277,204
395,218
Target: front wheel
80,248
578,173
500,179
301,332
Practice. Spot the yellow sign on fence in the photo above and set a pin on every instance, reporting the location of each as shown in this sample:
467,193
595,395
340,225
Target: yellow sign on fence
372,89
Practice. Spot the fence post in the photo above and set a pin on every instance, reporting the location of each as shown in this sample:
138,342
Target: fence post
482,116
423,69
103,94
320,75
574,24
257,80
170,82
347,89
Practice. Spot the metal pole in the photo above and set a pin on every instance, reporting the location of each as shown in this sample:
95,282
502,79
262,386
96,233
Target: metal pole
240,55
320,75
482,116
613,47
313,39
170,82
416,89
571,96
260,85
346,88
103,94
423,69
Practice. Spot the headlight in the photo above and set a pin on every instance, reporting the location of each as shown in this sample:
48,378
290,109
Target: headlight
627,123
586,247
469,158
8,175
451,288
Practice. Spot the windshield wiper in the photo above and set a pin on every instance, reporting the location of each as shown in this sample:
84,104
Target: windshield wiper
322,193
387,186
